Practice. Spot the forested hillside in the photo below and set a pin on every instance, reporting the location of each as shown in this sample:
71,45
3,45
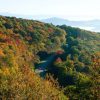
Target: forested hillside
20,41
78,68
74,55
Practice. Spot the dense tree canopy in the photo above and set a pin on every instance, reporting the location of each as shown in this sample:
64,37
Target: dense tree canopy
24,44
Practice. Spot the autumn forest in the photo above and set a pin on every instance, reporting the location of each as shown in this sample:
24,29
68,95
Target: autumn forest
41,61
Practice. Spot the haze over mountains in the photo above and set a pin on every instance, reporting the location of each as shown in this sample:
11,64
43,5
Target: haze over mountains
92,25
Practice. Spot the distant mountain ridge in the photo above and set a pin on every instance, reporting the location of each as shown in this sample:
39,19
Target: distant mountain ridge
92,25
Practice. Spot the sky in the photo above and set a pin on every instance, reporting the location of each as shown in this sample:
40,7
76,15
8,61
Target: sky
67,9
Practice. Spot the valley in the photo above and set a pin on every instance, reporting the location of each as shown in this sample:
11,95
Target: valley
41,61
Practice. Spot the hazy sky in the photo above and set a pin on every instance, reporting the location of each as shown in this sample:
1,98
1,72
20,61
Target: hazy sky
68,9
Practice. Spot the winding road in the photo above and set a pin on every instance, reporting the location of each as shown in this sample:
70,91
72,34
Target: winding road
43,65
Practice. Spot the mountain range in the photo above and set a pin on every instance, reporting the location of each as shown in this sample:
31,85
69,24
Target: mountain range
92,25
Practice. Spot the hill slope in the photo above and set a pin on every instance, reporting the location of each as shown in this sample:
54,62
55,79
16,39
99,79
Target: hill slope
26,43
20,41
